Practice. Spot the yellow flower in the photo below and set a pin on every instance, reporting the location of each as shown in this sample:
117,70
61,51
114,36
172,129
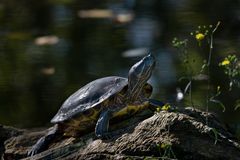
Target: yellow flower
166,107
199,36
225,62
158,109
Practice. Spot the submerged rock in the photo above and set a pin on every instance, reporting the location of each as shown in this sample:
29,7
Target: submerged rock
173,135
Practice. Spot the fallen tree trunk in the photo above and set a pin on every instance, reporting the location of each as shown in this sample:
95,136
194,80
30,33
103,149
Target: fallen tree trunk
164,135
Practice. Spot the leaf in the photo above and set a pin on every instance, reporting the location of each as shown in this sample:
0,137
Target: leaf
183,78
237,105
187,87
220,103
215,132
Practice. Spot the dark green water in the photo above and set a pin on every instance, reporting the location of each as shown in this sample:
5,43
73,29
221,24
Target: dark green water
50,48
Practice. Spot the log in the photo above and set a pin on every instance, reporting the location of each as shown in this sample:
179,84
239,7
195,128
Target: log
7,132
183,134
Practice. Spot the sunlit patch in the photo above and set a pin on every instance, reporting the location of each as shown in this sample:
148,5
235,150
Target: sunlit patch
123,17
95,13
48,70
46,40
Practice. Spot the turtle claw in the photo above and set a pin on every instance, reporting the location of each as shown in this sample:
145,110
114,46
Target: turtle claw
32,152
37,148
44,141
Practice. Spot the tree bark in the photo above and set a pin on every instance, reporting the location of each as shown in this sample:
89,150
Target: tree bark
183,134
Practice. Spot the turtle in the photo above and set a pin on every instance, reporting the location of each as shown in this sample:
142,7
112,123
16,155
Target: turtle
101,100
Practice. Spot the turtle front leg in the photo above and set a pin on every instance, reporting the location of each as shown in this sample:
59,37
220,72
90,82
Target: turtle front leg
44,141
101,129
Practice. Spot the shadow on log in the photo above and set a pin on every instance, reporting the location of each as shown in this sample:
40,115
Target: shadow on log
165,135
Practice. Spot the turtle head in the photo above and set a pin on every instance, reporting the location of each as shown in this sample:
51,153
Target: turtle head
139,74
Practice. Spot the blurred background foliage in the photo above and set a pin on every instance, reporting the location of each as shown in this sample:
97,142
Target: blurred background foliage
50,48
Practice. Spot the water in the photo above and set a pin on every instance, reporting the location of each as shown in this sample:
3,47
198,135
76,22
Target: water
49,49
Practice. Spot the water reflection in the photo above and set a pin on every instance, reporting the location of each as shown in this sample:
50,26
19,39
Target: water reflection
136,52
46,40
50,49
143,32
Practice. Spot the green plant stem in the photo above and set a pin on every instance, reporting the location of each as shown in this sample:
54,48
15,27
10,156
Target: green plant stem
208,73
208,67
208,89
190,93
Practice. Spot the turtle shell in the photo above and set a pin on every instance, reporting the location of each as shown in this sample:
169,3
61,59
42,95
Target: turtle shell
89,96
